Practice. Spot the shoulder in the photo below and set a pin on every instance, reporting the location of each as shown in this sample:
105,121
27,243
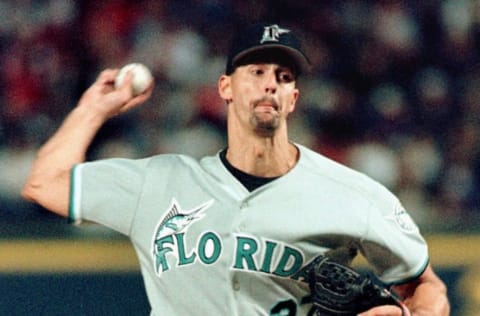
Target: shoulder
341,176
322,166
161,162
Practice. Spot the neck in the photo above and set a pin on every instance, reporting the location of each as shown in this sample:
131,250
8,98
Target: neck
262,156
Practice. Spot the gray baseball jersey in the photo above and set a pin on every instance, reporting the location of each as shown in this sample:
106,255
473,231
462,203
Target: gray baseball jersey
208,246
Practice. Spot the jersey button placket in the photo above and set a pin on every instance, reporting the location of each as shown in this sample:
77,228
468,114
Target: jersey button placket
243,208
243,205
235,284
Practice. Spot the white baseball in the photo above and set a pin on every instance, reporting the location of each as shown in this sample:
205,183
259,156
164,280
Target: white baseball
142,77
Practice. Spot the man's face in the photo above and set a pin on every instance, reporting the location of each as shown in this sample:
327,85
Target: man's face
262,94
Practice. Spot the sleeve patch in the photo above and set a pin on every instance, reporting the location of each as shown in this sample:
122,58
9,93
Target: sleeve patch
404,220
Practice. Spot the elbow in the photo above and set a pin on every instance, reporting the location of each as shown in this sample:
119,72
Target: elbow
29,191
52,193
50,197
38,187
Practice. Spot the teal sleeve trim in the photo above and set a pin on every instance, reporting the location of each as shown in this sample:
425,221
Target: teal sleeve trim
71,202
415,276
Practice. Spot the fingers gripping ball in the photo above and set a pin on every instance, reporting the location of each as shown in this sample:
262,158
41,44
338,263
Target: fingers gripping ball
142,77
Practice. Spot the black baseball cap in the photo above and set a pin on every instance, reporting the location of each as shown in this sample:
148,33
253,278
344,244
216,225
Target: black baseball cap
266,42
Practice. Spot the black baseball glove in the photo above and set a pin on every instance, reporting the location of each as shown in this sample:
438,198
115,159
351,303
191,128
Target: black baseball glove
340,290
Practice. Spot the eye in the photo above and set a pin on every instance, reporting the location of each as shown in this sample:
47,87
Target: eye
257,71
285,76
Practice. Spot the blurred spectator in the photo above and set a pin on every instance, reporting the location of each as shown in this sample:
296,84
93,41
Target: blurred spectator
420,167
435,111
376,160
458,188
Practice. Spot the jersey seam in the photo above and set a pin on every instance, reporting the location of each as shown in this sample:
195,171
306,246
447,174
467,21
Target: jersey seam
369,218
139,198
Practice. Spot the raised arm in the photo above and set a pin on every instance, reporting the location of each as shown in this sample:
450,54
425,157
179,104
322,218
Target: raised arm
49,181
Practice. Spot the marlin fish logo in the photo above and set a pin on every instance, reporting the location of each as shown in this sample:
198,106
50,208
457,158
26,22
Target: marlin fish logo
175,221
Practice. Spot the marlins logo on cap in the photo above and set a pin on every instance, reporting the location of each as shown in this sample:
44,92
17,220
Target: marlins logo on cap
266,43
272,33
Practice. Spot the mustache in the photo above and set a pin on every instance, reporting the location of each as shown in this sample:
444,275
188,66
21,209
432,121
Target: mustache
268,100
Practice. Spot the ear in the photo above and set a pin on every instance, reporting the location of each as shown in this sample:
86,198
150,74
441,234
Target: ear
295,96
224,88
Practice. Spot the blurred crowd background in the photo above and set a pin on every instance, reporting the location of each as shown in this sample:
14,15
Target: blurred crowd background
394,89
